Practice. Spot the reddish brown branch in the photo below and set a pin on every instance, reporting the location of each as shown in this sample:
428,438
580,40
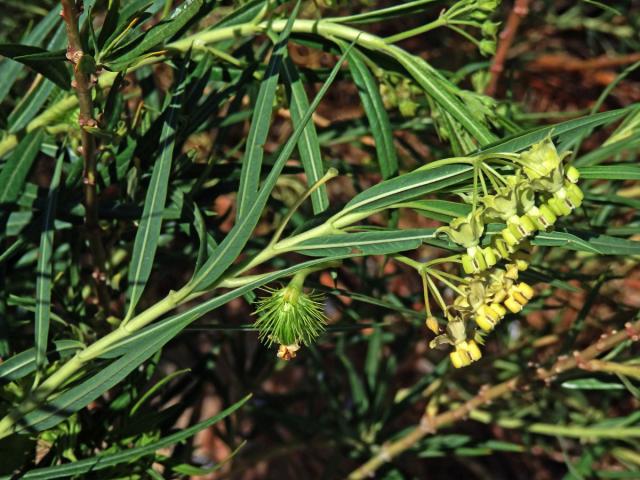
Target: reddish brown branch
82,84
572,64
430,424
519,11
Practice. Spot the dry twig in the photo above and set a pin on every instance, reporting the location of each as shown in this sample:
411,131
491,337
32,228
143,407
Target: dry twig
519,11
430,424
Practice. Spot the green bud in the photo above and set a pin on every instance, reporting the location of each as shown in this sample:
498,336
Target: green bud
509,238
572,174
490,29
489,256
408,108
574,194
468,264
558,206
487,47
488,5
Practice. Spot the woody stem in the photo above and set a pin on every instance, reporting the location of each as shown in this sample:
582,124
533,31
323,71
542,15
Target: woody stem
82,86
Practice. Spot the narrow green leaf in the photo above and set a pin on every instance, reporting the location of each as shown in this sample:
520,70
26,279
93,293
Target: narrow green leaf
243,14
618,171
146,241
408,186
443,210
591,384
15,170
236,239
375,111
382,14
29,106
374,357
9,69
605,152
157,386
100,462
588,242
163,31
366,243
439,89
308,146
260,123
520,141
49,64
44,270
24,363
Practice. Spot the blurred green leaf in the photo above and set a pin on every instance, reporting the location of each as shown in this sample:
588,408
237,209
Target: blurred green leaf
44,270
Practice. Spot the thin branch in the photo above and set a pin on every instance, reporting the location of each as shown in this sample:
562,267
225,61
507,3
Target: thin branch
430,424
82,84
519,11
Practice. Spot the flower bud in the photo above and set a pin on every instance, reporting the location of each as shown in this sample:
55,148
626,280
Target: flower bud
558,206
572,174
489,256
432,324
526,290
459,359
513,305
487,47
574,194
407,108
468,264
501,247
509,238
474,351
490,29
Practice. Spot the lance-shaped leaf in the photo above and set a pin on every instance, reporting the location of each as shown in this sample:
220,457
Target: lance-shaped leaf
44,268
366,243
163,31
375,111
15,170
407,187
102,461
146,241
9,69
439,89
236,239
260,123
308,146
520,141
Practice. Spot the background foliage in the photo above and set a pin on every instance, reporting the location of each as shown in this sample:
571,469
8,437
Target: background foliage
141,222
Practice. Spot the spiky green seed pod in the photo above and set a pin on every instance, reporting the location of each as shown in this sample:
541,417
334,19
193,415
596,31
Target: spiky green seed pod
289,316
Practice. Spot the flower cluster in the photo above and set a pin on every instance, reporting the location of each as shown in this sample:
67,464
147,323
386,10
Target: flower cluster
539,190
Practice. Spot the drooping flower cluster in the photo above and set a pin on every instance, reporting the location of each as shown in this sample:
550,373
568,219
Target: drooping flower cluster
540,190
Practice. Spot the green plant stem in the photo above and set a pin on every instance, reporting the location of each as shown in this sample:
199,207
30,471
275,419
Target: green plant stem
201,41
430,424
612,367
440,22
331,173
61,376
